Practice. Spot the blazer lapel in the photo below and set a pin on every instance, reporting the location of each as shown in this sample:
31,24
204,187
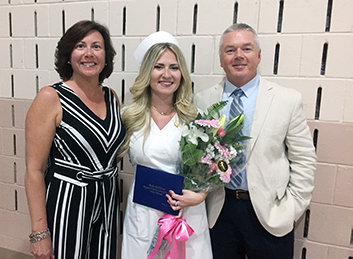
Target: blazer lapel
263,103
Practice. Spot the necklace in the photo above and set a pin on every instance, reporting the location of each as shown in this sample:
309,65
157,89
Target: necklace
162,113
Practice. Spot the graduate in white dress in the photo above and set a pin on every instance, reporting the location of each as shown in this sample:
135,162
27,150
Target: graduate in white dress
161,103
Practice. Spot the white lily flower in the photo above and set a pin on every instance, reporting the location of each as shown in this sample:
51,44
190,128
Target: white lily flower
193,133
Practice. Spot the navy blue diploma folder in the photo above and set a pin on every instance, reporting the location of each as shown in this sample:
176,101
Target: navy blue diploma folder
151,186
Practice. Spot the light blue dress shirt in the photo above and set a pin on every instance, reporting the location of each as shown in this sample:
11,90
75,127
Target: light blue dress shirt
250,90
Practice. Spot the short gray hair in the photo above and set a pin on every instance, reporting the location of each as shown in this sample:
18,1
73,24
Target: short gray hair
240,27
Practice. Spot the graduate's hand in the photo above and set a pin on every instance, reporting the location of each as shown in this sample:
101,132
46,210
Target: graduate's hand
187,199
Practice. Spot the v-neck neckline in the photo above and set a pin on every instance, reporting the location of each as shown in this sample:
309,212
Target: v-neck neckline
87,108
172,119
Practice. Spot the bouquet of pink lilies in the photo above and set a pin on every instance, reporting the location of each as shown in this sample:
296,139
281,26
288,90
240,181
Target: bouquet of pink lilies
209,148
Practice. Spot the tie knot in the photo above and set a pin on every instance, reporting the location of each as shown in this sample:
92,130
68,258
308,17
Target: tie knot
238,92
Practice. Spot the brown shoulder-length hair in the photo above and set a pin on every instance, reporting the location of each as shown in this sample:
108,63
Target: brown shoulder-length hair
68,42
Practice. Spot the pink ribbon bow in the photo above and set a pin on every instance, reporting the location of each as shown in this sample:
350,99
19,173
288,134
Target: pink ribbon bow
174,230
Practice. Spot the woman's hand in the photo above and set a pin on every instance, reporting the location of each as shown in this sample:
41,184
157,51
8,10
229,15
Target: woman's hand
187,199
42,249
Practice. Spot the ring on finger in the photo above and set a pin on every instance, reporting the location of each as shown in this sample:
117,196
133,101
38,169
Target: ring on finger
176,204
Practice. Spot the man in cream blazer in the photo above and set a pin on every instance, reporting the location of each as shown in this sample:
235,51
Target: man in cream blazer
280,159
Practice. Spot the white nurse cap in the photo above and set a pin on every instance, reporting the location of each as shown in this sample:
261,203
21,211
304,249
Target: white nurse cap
154,38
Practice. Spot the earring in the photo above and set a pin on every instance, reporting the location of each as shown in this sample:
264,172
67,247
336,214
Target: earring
68,62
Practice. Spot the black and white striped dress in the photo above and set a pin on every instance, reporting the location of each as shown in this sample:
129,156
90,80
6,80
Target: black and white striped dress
82,195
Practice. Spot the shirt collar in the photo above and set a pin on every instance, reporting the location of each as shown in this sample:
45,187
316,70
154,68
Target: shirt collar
248,88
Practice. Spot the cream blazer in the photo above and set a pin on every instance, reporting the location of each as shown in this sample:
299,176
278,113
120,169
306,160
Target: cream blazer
280,161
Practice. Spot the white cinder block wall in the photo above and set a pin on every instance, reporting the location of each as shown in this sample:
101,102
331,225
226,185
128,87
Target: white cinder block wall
306,45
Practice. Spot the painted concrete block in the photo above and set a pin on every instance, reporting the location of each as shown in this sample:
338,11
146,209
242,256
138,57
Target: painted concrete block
25,84
22,206
5,86
203,48
128,168
288,55
41,14
311,56
348,104
46,53
77,11
56,23
115,17
344,186
20,167
124,187
307,87
116,82
208,16
340,252
268,17
341,19
324,188
47,1
217,69
145,24
168,16
248,12
202,82
6,119
99,12
20,225
331,224
7,170
53,77
8,142
299,227
31,58
268,45
2,201
42,78
20,108
128,45
309,249
339,56
10,197
5,56
304,16
5,14
335,142
23,21
17,48
1,142
185,17
333,95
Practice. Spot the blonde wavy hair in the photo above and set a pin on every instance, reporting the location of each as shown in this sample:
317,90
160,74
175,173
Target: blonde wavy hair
137,113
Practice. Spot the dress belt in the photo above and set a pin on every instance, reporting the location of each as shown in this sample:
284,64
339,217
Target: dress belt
97,175
104,188
239,194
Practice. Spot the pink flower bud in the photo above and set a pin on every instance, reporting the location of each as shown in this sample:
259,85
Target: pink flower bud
221,132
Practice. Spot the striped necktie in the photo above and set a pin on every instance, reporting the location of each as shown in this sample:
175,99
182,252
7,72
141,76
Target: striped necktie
236,108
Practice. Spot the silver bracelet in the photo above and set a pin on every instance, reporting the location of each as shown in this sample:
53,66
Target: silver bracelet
39,236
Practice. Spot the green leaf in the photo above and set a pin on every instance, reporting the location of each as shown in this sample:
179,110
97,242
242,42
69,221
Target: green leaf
214,109
242,138
235,122
182,142
191,155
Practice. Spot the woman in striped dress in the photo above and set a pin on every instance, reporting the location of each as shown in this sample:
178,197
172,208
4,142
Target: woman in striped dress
73,135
